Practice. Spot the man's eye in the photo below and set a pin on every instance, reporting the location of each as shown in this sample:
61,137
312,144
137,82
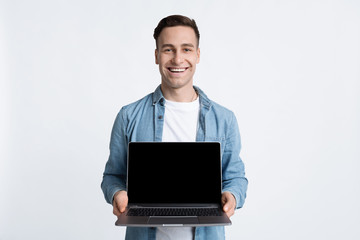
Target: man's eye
187,50
167,50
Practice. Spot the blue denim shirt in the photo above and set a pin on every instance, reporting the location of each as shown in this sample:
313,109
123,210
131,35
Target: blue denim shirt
143,121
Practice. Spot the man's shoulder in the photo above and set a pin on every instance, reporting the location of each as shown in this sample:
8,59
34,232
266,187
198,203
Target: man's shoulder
217,108
222,113
146,101
207,102
142,102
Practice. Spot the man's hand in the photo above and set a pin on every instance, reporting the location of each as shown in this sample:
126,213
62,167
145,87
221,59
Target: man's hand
120,202
229,203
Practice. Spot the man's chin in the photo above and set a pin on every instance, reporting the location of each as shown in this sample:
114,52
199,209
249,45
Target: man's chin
176,84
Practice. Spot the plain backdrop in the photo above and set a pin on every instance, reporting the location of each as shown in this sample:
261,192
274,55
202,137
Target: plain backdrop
288,69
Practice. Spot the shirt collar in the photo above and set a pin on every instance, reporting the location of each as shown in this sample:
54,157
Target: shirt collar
159,97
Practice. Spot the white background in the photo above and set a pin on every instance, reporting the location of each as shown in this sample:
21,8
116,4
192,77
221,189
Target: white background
288,69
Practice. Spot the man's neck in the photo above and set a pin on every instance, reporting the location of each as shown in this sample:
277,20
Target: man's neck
184,94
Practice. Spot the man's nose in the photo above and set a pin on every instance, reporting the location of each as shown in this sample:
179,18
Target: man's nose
178,58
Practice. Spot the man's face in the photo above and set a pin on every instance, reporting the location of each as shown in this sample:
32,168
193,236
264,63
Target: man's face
177,55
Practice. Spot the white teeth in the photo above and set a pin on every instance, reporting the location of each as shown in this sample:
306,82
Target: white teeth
177,69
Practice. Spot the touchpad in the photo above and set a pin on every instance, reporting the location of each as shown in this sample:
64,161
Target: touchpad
173,220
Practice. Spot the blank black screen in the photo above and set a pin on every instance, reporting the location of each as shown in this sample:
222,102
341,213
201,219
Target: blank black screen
176,172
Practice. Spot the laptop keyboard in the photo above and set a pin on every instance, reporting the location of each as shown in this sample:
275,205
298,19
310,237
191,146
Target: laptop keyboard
174,212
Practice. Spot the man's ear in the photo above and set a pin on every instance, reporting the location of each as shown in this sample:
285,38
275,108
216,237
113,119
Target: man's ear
156,56
198,55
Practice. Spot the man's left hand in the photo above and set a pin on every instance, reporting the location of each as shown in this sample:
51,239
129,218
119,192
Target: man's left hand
229,203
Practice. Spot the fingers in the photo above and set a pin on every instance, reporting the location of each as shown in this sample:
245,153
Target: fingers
116,211
120,202
229,203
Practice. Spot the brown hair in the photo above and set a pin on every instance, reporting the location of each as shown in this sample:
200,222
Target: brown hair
176,20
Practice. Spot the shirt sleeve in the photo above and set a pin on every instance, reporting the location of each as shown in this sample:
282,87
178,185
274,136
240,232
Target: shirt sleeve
114,177
233,171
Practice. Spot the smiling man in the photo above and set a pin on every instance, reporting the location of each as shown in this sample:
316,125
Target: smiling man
177,54
176,111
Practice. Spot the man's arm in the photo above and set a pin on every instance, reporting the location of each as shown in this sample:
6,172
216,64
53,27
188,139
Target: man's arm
233,172
114,177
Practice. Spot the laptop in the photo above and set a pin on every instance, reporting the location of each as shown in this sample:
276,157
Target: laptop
173,184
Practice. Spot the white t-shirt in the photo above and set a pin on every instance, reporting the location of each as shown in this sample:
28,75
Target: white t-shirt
180,121
180,125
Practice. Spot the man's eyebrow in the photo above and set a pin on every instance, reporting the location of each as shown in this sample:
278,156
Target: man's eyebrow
167,45
183,45
187,45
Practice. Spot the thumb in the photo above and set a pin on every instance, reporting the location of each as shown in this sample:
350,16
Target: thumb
224,201
123,204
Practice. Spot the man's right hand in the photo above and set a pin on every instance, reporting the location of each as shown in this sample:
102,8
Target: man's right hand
120,202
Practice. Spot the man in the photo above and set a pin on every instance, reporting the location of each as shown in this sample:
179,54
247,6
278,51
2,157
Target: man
176,111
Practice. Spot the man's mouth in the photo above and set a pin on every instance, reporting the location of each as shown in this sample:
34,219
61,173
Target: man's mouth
177,70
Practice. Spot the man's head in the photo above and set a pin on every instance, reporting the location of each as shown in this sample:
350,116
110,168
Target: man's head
177,52
173,21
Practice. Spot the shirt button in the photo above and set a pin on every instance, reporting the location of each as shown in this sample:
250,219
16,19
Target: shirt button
160,117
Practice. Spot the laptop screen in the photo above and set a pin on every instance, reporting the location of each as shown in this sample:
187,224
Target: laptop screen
174,172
